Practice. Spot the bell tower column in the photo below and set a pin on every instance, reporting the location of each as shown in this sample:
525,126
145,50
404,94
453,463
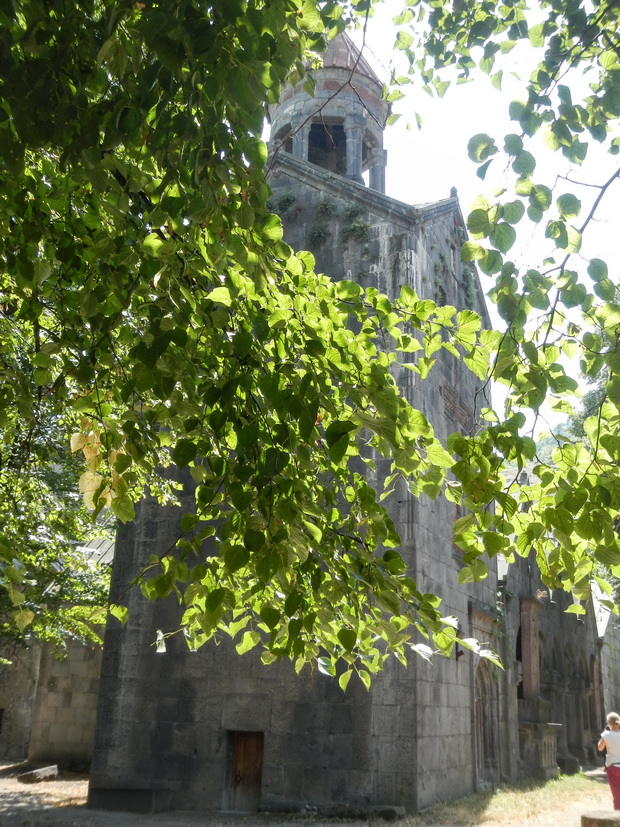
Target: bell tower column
378,162
353,128
301,130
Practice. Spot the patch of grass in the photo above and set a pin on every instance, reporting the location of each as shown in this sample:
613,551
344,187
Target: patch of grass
519,803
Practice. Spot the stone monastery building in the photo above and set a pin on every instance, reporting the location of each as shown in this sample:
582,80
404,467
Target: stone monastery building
216,731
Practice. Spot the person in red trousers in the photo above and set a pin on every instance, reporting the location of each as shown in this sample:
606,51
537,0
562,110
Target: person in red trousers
610,738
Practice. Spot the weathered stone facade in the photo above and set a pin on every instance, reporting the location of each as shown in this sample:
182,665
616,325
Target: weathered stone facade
558,676
211,730
18,686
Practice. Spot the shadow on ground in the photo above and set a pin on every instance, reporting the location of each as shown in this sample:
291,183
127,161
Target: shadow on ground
43,805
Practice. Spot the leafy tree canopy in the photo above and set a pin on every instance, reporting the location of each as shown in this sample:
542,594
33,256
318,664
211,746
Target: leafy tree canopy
558,311
53,588
146,295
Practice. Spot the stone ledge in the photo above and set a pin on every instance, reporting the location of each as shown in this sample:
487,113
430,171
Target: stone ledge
43,774
601,818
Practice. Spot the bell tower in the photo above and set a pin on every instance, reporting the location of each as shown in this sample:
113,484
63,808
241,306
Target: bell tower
210,730
341,128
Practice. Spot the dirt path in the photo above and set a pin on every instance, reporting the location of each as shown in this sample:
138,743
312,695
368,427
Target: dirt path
61,803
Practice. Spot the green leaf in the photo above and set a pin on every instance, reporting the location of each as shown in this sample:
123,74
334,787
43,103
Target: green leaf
337,438
513,144
403,40
242,343
573,244
215,599
524,163
536,35
478,222
503,236
123,462
152,244
472,252
480,147
439,456
255,150
123,508
188,522
597,269
119,612
568,205
271,228
343,680
478,362
445,640
184,452
576,609
347,290
270,617
605,289
513,211
253,540
491,262
23,618
314,531
236,557
541,197
463,524
348,639
475,572
248,642
245,217
493,543
221,295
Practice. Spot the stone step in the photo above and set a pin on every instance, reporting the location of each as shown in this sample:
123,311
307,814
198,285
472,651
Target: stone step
601,818
42,774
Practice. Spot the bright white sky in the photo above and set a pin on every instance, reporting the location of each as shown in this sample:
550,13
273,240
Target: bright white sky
424,164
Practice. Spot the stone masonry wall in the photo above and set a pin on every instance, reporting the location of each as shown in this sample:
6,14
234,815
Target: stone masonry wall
63,724
561,682
18,683
165,718
610,666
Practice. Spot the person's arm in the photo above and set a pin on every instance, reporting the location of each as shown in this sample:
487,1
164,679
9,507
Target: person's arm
601,744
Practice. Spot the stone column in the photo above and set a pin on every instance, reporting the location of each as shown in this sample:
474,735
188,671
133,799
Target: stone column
354,130
530,606
559,693
586,732
301,132
378,161
597,704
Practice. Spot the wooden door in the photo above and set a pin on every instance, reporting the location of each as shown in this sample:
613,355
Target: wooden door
247,770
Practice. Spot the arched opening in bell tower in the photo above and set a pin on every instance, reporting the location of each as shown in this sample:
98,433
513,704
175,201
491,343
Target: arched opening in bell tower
327,147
